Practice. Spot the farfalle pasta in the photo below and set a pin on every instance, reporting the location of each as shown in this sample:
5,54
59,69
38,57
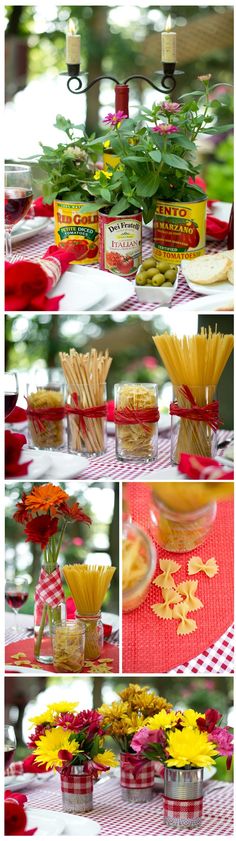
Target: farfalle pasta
196,565
165,579
186,625
188,589
164,609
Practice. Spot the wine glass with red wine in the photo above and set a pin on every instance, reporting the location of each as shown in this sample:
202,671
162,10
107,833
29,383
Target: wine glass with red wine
18,198
16,594
9,744
11,389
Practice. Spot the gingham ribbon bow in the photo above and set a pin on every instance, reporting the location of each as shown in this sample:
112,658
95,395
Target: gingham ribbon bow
49,588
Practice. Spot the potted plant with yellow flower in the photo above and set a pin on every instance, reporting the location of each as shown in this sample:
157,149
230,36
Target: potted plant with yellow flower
123,720
72,743
186,743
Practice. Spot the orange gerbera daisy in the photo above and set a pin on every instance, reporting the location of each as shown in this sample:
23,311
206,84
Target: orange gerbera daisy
45,498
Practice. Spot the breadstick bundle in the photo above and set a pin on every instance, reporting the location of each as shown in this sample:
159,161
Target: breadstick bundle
86,375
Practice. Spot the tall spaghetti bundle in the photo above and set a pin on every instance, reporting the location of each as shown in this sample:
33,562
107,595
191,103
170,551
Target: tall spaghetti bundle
136,415
88,586
86,376
195,365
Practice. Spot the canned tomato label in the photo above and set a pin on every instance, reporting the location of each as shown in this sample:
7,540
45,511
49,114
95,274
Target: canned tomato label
71,223
120,243
179,230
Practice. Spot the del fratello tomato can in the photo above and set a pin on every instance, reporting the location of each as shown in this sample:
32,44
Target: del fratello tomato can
73,223
179,230
120,243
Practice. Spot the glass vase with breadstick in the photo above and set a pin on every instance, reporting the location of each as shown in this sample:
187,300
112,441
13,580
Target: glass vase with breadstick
86,375
195,365
136,419
88,586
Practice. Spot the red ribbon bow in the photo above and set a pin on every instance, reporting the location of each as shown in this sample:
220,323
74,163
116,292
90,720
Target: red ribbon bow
207,414
137,416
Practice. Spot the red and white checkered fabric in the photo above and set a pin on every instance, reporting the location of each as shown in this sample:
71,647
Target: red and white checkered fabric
77,783
49,588
116,817
130,777
218,659
182,809
15,769
37,246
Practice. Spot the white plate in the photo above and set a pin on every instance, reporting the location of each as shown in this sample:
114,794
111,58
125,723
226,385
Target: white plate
210,303
80,294
54,465
163,473
28,228
61,823
15,783
115,290
223,287
208,773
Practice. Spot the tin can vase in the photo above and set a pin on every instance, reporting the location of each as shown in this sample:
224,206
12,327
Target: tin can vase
120,243
179,230
136,778
73,223
183,797
77,790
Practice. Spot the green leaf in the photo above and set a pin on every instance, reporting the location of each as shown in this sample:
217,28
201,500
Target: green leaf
155,155
175,162
133,158
120,206
105,193
147,184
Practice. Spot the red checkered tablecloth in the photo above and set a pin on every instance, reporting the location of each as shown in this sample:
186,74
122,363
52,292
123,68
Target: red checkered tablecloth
37,245
122,819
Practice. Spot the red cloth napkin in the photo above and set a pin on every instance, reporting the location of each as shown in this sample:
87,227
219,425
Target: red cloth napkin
215,228
15,815
17,415
25,766
27,646
13,447
28,281
41,209
199,467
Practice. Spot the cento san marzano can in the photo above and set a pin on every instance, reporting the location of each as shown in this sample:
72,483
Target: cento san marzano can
73,223
120,243
179,230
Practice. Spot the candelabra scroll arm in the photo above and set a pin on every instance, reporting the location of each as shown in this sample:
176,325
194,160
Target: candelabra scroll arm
166,88
80,89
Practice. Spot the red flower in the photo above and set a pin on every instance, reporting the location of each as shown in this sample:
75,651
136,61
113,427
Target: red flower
65,755
13,446
88,720
74,512
21,514
40,729
15,817
40,529
209,722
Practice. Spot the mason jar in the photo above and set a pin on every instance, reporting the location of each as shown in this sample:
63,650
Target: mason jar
179,531
94,635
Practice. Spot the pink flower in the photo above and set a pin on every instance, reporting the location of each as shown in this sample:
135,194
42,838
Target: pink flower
223,740
163,128
149,362
113,119
144,738
88,720
171,107
77,541
208,723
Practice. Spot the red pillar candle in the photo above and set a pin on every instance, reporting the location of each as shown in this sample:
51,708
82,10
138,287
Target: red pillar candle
122,99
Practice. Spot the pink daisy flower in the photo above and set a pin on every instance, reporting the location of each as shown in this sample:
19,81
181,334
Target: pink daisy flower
171,107
113,119
163,128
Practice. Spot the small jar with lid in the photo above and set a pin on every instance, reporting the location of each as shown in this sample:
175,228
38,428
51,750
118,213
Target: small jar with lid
180,531
139,559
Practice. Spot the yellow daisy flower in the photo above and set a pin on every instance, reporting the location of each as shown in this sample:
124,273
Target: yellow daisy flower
106,144
100,172
189,717
162,720
44,718
190,747
49,746
106,758
63,707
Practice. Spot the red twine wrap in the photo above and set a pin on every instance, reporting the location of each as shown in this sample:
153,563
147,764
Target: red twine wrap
91,412
136,773
42,415
136,416
38,416
49,588
207,414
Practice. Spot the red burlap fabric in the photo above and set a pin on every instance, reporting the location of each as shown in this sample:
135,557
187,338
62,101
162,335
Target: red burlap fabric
27,646
151,644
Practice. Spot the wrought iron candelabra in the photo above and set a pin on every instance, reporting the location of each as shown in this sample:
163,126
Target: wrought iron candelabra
167,83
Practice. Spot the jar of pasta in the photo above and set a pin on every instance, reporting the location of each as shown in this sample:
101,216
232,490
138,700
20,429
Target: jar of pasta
136,419
45,413
139,558
68,639
94,635
180,531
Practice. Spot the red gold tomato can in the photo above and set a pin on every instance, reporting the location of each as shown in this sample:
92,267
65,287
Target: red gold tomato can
73,223
120,243
179,230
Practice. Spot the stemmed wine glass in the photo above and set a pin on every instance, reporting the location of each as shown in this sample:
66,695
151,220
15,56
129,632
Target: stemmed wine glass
18,198
16,594
9,744
11,389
